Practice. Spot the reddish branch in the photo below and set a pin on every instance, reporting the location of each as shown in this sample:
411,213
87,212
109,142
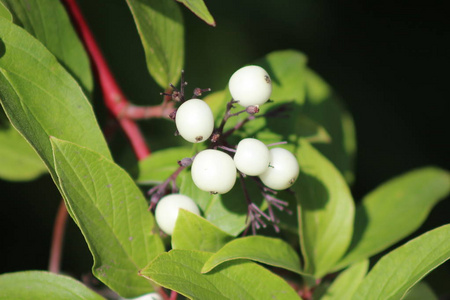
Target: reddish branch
114,98
57,238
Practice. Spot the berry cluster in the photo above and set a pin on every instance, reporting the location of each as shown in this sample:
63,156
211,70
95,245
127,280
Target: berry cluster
214,170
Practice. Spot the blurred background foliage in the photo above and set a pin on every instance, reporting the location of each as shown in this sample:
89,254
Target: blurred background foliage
388,61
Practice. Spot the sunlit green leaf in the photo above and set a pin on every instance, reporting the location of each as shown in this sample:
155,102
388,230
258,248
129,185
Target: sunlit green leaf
325,211
41,99
195,233
395,273
394,210
160,26
47,20
345,285
161,164
39,285
179,270
270,251
4,12
199,8
112,215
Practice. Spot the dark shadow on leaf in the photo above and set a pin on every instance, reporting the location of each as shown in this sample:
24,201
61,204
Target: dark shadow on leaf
311,193
226,265
2,48
359,226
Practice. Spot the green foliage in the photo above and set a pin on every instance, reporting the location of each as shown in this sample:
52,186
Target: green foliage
399,270
160,26
44,79
180,270
43,286
112,215
270,251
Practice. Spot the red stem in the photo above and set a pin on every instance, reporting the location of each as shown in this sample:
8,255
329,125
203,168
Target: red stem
113,96
57,238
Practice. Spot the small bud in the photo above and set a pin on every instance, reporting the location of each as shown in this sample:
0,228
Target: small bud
252,109
215,137
173,114
176,133
185,162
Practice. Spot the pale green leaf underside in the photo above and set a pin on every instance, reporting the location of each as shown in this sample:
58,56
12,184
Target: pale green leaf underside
395,273
199,8
195,233
18,161
270,251
41,99
179,270
345,285
112,215
394,210
160,26
326,209
47,20
40,285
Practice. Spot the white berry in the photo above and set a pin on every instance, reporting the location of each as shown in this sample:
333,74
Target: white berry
282,171
166,212
250,85
252,157
213,171
194,121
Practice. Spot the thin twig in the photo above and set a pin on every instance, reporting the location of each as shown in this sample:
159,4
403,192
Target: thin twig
58,238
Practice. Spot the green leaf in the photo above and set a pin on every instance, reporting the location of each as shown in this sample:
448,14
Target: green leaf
394,210
112,214
195,233
4,13
179,270
228,211
160,26
345,285
421,291
161,164
47,20
396,272
199,8
18,161
270,251
40,285
41,99
324,107
325,211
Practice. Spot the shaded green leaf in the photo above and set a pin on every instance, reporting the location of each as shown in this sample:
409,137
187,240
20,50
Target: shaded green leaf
394,210
18,161
395,273
325,211
41,99
421,291
40,285
161,164
345,285
160,26
193,232
47,20
199,8
4,12
112,215
270,251
324,107
179,270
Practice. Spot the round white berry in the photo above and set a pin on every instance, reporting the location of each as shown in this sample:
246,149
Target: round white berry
251,157
194,120
250,85
166,212
213,171
282,171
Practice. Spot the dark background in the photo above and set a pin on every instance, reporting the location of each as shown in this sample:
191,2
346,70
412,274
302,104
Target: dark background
388,60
